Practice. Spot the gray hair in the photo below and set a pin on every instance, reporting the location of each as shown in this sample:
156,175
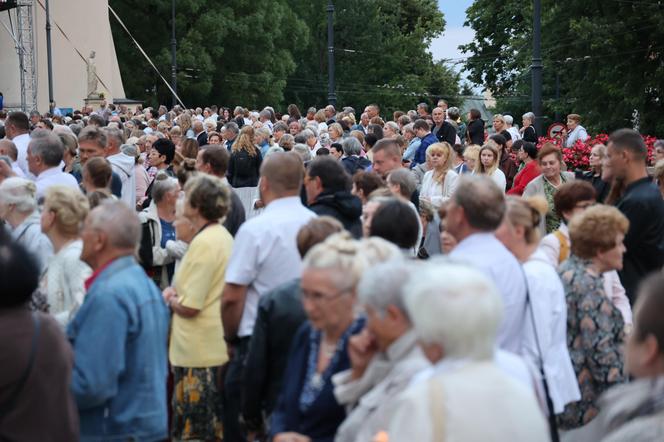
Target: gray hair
307,133
509,120
404,179
529,115
456,307
48,147
394,126
351,146
265,113
163,184
342,253
12,151
382,285
453,113
20,192
303,151
409,128
115,136
118,221
232,126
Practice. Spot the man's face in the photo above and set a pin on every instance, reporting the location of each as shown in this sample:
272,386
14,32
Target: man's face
454,218
89,149
93,242
34,119
421,111
438,115
200,165
155,158
371,112
364,119
34,163
313,186
278,134
383,164
616,160
335,153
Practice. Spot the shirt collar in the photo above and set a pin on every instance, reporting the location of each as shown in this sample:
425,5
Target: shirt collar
282,203
49,172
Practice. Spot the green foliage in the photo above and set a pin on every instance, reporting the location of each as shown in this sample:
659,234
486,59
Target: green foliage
607,56
260,52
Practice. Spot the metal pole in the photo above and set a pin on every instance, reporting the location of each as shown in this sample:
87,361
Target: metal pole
536,67
174,76
557,117
331,95
49,58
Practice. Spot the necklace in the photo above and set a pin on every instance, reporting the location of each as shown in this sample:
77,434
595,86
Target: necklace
327,349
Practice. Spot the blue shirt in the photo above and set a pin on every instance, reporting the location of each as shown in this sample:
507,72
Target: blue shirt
421,154
167,232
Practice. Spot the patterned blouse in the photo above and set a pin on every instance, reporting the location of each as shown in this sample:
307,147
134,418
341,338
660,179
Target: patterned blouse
552,220
594,338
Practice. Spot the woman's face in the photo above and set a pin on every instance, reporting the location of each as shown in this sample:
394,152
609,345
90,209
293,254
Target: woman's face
214,139
526,122
326,304
155,158
294,128
595,159
578,208
408,136
471,162
438,159
550,166
612,259
368,211
487,158
659,153
521,155
334,134
227,114
388,132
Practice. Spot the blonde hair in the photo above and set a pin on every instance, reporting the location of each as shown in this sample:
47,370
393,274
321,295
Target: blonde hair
70,207
342,253
337,127
479,167
184,122
594,230
528,213
445,149
246,141
472,152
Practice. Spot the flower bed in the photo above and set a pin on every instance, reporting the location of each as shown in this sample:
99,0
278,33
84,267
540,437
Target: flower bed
577,156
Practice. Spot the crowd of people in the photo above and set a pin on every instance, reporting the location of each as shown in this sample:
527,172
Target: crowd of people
208,274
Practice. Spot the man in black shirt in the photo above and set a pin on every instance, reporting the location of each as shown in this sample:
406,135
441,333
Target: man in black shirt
442,129
642,204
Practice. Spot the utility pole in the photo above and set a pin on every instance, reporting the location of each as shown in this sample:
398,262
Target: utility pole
331,95
536,67
49,58
174,67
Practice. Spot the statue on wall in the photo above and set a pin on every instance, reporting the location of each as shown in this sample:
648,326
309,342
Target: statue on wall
92,76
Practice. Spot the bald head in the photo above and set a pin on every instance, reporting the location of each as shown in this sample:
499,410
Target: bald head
7,147
283,172
119,222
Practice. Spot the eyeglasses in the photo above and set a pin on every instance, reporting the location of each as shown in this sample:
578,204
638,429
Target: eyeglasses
584,204
318,297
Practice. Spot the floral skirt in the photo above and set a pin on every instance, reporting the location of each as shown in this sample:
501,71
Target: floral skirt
197,408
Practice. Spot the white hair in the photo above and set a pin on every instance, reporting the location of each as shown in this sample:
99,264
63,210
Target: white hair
342,253
383,285
509,120
20,192
120,223
455,306
379,250
303,151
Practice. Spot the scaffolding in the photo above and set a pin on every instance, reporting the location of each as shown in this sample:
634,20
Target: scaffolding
26,48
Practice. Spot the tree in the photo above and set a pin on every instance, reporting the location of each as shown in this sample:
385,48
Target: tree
606,67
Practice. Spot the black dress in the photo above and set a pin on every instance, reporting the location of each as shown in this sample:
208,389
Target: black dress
530,135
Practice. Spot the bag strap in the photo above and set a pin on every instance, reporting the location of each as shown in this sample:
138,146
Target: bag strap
553,426
564,246
9,404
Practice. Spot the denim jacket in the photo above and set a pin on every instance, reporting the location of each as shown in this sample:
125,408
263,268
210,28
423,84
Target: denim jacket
119,337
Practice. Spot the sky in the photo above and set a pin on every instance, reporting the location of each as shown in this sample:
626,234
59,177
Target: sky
446,46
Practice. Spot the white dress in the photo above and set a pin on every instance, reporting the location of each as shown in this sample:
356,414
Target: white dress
438,193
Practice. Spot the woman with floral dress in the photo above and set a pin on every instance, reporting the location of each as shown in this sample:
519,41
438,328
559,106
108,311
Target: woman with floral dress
595,327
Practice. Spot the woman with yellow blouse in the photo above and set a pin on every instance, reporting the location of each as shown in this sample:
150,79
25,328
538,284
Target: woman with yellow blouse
197,349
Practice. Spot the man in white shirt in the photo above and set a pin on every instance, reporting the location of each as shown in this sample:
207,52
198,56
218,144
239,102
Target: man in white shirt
17,128
45,153
122,164
509,127
475,211
264,256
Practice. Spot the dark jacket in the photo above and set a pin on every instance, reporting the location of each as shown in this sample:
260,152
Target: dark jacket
244,169
642,204
601,187
279,316
446,132
509,168
342,206
321,420
530,135
475,132
354,164
44,408
236,216
202,138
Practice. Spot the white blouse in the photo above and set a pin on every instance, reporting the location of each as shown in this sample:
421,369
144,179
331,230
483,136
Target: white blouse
438,193
498,177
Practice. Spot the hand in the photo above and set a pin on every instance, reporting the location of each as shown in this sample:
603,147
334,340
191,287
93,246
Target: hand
361,350
168,294
290,437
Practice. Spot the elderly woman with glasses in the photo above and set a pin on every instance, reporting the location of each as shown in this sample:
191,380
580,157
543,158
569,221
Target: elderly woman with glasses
307,409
